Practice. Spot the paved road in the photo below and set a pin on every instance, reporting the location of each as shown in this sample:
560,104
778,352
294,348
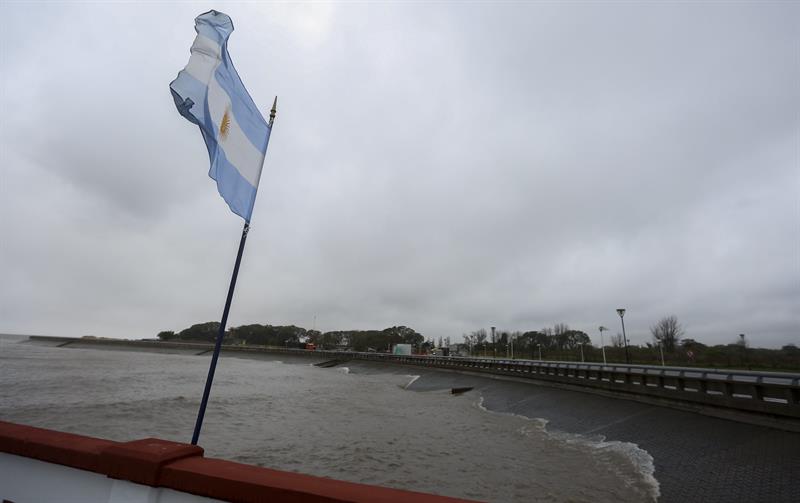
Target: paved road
697,458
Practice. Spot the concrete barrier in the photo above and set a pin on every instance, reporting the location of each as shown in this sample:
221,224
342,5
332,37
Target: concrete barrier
766,398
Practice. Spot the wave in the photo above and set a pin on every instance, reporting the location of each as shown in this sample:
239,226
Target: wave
409,383
640,459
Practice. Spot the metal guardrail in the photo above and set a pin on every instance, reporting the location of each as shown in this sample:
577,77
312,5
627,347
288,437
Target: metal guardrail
773,393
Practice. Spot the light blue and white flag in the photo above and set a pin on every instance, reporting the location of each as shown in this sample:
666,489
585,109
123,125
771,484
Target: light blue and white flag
209,93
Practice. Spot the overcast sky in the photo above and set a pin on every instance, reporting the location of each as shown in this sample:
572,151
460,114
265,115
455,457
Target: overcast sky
447,167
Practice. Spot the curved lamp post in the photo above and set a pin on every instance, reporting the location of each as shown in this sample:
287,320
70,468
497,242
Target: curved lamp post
621,313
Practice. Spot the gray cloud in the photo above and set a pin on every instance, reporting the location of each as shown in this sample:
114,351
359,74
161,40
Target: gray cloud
448,167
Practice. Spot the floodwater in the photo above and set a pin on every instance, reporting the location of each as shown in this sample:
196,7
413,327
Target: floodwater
289,415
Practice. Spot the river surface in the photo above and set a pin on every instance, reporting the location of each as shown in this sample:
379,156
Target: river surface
335,422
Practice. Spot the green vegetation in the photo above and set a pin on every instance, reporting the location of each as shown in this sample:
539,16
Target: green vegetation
293,336
560,343
557,343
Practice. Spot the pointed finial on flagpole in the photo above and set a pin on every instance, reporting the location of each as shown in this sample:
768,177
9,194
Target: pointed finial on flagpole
273,111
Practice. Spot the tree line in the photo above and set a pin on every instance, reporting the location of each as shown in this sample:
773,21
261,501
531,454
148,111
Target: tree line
559,338
294,336
668,345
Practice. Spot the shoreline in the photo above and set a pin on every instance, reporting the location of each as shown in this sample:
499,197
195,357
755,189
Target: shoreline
753,398
692,453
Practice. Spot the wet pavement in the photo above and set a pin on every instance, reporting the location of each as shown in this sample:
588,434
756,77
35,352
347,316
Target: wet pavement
697,458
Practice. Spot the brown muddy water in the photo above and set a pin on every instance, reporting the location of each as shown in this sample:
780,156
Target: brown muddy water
290,415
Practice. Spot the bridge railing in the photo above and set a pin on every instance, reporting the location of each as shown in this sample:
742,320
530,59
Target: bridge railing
776,393
772,393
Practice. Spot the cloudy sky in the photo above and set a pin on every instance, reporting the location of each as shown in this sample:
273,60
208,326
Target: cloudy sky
448,167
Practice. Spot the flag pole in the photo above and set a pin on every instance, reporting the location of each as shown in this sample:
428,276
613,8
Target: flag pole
218,345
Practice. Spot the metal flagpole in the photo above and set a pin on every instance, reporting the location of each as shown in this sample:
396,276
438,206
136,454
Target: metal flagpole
213,367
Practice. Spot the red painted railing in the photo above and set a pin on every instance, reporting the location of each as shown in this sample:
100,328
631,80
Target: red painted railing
182,467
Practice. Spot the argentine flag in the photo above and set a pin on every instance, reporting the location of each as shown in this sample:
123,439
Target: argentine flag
209,93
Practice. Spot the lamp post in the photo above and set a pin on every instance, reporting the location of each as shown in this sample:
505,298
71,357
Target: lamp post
621,313
743,343
602,344
582,360
661,348
494,344
540,351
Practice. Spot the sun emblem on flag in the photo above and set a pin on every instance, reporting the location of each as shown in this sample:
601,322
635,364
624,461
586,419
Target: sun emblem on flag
225,124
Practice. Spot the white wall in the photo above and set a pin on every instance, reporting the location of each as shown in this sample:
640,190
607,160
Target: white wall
25,480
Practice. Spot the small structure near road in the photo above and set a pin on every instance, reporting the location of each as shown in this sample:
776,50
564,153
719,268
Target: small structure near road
401,349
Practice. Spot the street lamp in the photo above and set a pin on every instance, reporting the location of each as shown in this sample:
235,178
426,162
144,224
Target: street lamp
582,360
602,344
540,351
621,313
494,344
743,343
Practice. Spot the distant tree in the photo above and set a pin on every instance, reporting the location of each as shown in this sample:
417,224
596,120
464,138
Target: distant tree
329,340
403,335
691,343
617,341
531,340
544,337
549,338
315,337
561,335
502,339
479,337
573,339
667,332
167,335
560,328
440,342
205,332
269,335
364,340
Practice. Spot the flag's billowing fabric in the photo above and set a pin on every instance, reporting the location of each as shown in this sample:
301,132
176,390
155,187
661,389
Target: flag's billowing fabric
209,93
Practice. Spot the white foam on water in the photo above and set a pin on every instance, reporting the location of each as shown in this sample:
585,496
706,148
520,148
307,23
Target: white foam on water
641,460
409,383
344,370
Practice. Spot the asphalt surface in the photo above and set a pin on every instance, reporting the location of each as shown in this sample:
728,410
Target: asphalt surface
697,458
